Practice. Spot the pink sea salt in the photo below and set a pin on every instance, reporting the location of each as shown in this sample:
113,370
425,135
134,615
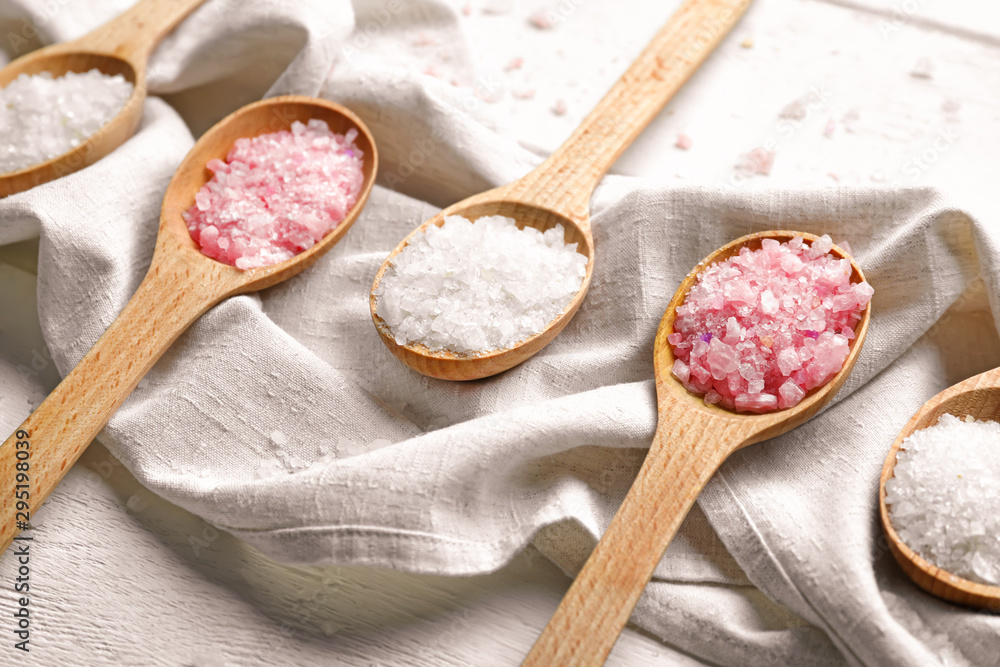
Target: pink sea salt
276,195
758,331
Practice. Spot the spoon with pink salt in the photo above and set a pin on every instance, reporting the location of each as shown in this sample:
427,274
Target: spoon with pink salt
693,438
182,284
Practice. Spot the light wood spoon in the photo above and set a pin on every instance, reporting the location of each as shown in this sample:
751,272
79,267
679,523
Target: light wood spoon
179,287
692,440
121,46
558,191
979,396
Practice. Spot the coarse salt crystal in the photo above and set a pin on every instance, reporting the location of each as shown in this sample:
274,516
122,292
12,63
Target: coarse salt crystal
42,117
276,195
944,497
471,287
759,330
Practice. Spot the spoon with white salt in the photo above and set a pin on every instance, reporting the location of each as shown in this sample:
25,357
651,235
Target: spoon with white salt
120,47
558,191
693,438
181,284
978,398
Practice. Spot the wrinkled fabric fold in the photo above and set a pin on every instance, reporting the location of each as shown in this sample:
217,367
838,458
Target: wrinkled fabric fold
282,418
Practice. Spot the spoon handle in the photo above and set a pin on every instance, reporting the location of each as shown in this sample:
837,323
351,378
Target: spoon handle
565,181
34,459
687,449
135,33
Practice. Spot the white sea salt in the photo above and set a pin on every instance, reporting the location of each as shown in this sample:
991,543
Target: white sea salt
478,286
944,500
42,117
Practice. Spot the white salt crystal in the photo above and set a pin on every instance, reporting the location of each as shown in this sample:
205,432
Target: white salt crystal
42,117
944,500
478,286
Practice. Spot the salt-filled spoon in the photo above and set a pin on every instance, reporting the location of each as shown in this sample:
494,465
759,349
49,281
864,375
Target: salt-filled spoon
978,397
120,46
558,191
179,287
692,440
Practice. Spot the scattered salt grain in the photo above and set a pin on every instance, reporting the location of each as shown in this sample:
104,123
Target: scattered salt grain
478,286
276,195
42,117
560,108
758,331
944,498
683,142
923,69
747,43
524,93
829,128
543,20
795,110
515,63
757,162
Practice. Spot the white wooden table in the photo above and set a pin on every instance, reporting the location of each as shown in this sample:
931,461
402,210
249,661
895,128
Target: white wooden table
861,92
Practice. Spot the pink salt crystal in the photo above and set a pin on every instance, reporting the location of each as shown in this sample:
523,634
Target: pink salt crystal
758,331
467,9
789,394
757,162
756,402
721,359
524,93
423,39
831,126
514,64
542,20
733,331
276,195
683,142
788,361
560,108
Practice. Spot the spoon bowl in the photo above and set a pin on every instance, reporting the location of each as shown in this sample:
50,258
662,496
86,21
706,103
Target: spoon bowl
121,46
768,424
271,115
180,285
447,365
978,397
692,440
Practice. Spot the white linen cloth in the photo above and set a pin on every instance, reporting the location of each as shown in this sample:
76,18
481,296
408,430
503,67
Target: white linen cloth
281,418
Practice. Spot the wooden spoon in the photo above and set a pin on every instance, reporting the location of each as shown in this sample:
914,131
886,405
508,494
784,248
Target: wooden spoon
979,396
121,46
180,285
691,442
558,191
